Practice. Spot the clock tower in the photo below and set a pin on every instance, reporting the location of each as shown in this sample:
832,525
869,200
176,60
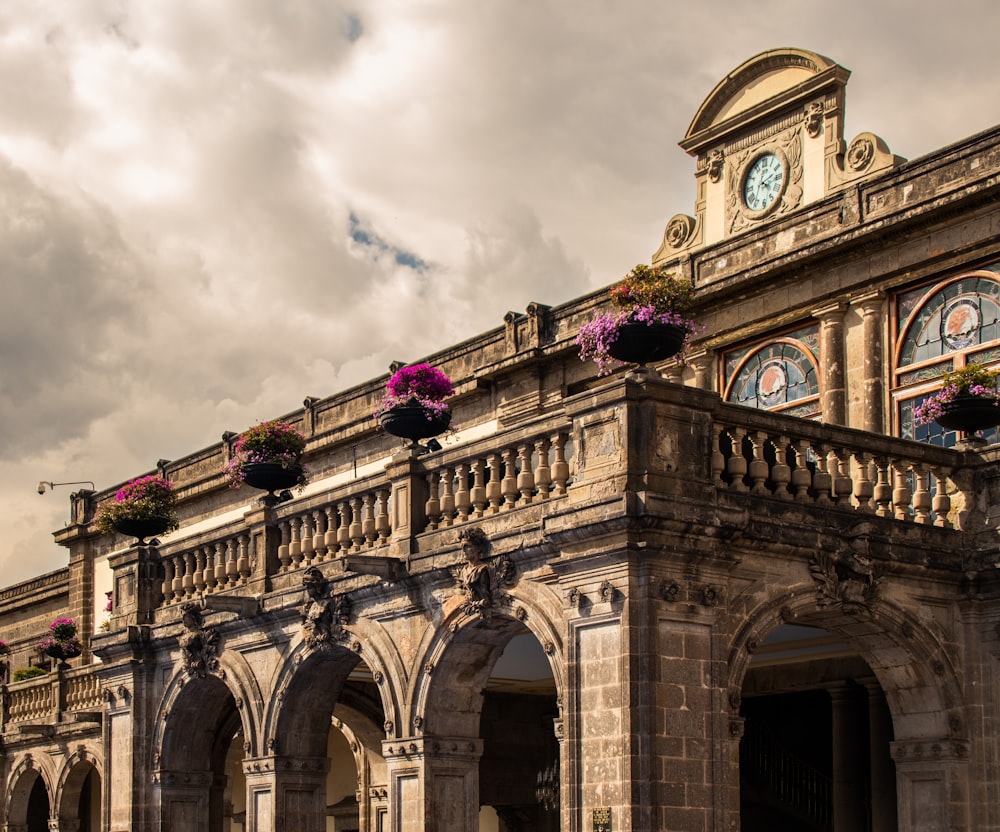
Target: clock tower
768,141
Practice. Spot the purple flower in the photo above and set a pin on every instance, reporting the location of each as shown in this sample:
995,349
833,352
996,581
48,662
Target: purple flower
273,441
419,384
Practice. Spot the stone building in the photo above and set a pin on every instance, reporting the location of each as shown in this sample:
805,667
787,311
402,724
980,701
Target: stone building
749,594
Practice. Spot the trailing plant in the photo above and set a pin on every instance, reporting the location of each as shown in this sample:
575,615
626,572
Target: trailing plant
647,295
4,648
971,381
142,498
419,385
62,641
31,672
274,441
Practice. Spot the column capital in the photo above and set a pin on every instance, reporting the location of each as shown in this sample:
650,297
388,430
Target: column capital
830,312
869,302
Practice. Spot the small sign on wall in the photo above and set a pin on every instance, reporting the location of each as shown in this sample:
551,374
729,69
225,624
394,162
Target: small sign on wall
602,819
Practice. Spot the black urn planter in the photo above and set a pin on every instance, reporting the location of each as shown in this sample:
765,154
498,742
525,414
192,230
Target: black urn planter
411,421
641,343
969,414
140,529
271,477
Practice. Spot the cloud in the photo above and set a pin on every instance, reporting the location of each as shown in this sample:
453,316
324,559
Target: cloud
210,211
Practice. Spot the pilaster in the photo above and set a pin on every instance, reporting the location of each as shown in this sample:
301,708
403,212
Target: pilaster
832,360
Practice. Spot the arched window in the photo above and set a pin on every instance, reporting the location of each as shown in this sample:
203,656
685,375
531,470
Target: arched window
779,375
940,328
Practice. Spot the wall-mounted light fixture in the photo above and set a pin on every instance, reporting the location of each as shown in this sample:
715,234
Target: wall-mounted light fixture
45,484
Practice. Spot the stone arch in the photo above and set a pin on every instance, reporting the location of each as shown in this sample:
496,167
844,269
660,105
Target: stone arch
880,639
24,774
459,652
366,642
72,782
182,701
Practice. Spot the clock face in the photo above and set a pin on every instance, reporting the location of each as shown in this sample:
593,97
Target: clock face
763,183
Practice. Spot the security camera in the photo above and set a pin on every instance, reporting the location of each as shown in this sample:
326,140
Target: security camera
41,488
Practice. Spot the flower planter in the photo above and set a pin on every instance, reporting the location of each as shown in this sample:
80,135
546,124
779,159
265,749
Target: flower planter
141,529
642,343
60,653
412,422
271,477
968,414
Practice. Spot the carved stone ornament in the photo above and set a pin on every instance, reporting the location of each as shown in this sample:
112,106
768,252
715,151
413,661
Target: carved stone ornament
814,119
324,615
482,579
860,153
849,578
716,163
199,645
787,147
679,230
670,590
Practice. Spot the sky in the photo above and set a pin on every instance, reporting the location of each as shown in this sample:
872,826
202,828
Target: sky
211,209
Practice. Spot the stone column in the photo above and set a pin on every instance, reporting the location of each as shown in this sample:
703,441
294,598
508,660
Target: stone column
832,360
286,794
883,773
932,784
703,362
433,783
849,811
873,327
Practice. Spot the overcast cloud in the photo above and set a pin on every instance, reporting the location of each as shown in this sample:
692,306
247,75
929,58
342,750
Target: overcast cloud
179,178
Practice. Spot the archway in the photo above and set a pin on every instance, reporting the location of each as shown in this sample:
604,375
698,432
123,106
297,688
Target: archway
80,795
492,688
28,805
815,750
197,771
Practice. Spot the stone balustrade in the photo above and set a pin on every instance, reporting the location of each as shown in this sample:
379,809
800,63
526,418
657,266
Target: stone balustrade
50,698
633,433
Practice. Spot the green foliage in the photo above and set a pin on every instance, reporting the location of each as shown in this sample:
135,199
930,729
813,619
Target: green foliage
28,673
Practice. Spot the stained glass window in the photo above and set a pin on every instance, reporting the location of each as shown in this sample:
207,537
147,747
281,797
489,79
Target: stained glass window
939,329
780,375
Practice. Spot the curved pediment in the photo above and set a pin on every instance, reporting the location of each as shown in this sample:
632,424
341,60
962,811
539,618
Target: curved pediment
772,76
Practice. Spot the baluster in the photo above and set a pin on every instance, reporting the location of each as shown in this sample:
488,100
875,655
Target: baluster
822,481
357,535
199,571
319,547
921,497
801,475
306,539
432,508
330,538
382,527
295,543
843,485
525,479
448,497
243,564
344,529
221,570
543,474
560,468
508,485
494,487
942,500
864,488
236,560
463,499
177,587
209,576
882,494
167,588
368,520
283,555
736,465
718,459
758,468
781,473
902,494
479,494
189,566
